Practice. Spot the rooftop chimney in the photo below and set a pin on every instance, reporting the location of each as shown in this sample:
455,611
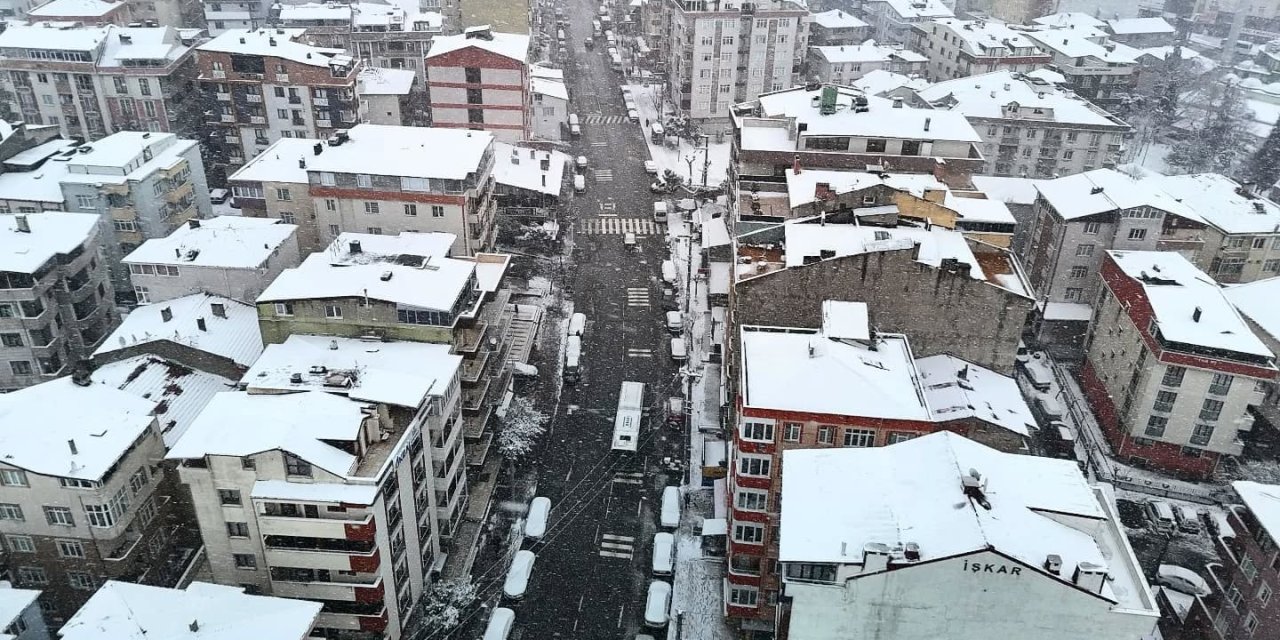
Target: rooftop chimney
1095,191
193,223
302,163
897,102
194,626
219,310
24,225
927,122
795,165
1090,577
72,444
200,324
1195,315
166,314
318,148
1053,564
354,246
875,557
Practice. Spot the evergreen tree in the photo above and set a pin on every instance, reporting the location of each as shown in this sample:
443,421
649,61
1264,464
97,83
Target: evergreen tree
1264,168
1219,139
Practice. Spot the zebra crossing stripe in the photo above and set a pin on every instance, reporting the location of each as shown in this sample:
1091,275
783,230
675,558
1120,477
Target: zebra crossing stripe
609,224
610,536
640,353
611,554
629,478
612,546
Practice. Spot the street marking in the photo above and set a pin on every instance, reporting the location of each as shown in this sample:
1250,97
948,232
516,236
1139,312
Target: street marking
603,175
612,546
610,224
608,205
596,118
599,144
637,297
640,353
623,477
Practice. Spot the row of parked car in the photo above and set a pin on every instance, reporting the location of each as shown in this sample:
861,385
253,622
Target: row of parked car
1165,517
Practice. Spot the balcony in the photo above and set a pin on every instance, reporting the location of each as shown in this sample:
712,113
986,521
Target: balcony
282,78
257,119
468,339
228,118
360,591
472,368
317,559
336,528
299,122
295,99
225,97
175,196
744,565
218,74
232,139
324,123
320,102
253,97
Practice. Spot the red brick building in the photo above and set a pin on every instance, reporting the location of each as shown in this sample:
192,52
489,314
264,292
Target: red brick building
480,80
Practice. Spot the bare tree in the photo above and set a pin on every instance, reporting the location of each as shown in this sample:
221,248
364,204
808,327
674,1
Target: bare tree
443,606
521,426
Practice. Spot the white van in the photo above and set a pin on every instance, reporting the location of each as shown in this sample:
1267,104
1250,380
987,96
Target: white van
679,350
577,324
579,183
572,357
660,212
575,129
500,624
670,517
664,554
656,605
668,272
535,523
615,62
675,321
1160,513
518,576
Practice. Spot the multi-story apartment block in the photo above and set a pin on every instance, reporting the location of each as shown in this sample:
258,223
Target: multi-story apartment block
20,617
56,302
223,16
1095,68
1171,367
959,48
120,609
1030,128
392,97
230,256
833,127
94,12
842,64
1076,220
269,84
274,185
1142,33
91,81
893,20
836,27
82,499
1242,228
480,80
550,103
327,24
394,36
722,53
941,524
1241,604
344,488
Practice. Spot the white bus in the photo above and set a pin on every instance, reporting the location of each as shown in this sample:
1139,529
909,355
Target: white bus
626,424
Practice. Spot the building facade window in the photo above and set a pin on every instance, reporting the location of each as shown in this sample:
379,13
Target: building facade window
792,431
1221,384
859,437
59,516
755,465
1156,426
229,497
1173,376
20,544
748,533
13,478
245,560
757,431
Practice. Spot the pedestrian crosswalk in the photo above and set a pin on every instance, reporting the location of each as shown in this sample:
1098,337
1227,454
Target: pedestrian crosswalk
640,353
603,175
616,226
612,546
595,118
628,477
637,297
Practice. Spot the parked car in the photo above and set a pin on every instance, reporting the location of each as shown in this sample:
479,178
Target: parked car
535,524
663,554
657,604
670,514
650,167
1160,514
675,321
500,623
633,115
1188,521
1182,579
218,196
518,576
582,163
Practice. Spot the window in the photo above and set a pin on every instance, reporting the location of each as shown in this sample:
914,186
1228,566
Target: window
245,560
1079,271
1250,623
80,580
791,431
1234,597
1156,425
138,481
287,218
1221,384
1201,434
751,500
364,180
757,431
147,512
330,204
1248,568
333,311
284,308
1259,243
59,516
283,194
875,145
1137,234
327,178
1264,593
471,74
20,367
10,511
295,466
748,533
859,437
750,465
1092,228
72,483
410,209
372,207
475,116
238,529
32,576
1271,266
743,596
1084,250
1173,376
248,464
373,231
229,496
1164,401
1211,410
70,549
826,435
1073,293
13,478
437,211
21,544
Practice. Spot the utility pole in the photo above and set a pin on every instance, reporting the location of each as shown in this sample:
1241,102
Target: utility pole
706,157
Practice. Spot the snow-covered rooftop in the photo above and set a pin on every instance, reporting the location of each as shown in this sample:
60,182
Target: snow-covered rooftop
315,11
881,120
377,81
127,44
880,81
843,320
404,14
280,162
234,335
413,152
1102,190
1073,44
226,242
202,611
996,95
41,185
103,422
915,9
1007,189
802,187
238,423
837,19
957,389
979,36
1257,301
39,153
1131,26
868,51
73,9
14,603
979,209
913,492
1189,307
398,373
59,36
1070,20
521,167
275,43
1048,75
179,391
52,233
806,239
508,45
1221,202
806,370
549,87
361,494
1264,501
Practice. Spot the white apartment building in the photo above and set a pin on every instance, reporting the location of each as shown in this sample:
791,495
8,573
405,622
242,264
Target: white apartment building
223,16
20,617
724,53
1095,68
1031,128
396,35
836,27
1242,228
959,48
948,538
229,256
479,80
892,20
391,97
842,64
549,102
341,492
281,171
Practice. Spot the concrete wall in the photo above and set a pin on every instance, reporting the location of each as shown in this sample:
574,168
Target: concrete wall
350,215
309,318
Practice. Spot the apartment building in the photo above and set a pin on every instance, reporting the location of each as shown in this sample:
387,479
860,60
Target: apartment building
1240,605
723,53
92,81
269,84
82,498
894,20
230,256
56,302
333,496
327,24
945,525
832,127
20,617
842,64
479,80
841,385
1171,367
119,609
1031,128
1076,220
1242,228
394,35
392,97
222,16
960,48
1096,68
94,12
281,173
549,117
1142,33
836,27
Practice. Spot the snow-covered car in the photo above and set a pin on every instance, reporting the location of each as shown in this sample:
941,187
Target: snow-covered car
657,604
633,115
535,524
670,514
650,167
663,553
582,163
1182,579
518,576
500,624
218,196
